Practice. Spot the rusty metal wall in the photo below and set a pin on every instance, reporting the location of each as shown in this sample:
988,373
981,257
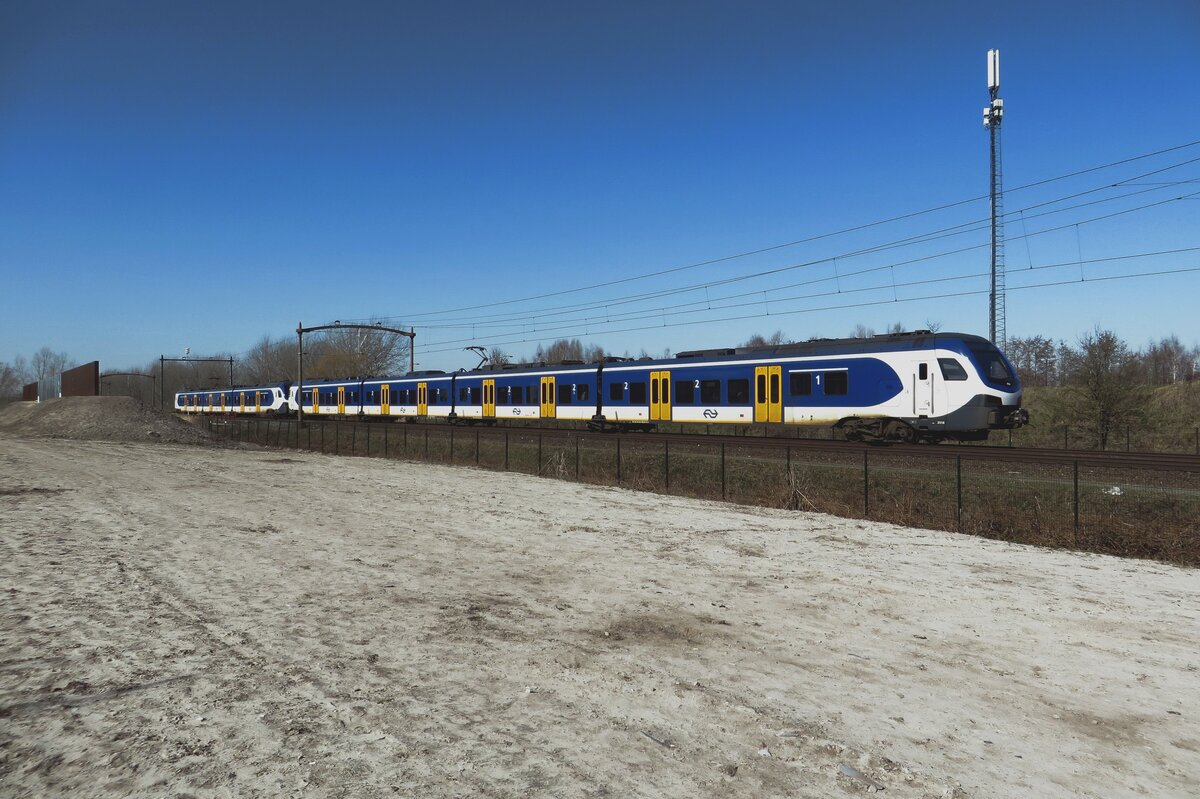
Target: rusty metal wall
82,381
29,392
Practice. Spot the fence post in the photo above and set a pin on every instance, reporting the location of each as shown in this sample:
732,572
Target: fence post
539,461
866,484
1065,439
476,447
577,458
618,460
385,443
452,445
722,470
368,439
506,450
323,425
1075,480
337,438
958,487
426,443
666,464
353,438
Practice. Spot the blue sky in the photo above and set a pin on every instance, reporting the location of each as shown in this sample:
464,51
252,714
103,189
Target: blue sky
202,174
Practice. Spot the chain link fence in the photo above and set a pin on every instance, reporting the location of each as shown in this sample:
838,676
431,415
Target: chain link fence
1142,512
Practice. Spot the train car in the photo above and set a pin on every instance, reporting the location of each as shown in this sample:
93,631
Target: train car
902,387
248,400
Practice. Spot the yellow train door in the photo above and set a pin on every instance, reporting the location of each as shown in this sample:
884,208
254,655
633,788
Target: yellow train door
316,400
422,399
241,402
768,393
341,399
258,402
660,396
385,403
548,402
489,399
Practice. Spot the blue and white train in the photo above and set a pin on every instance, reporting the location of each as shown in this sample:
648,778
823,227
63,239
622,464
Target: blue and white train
902,387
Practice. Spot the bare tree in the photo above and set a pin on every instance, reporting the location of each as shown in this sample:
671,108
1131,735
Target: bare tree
862,331
355,352
1168,361
758,340
268,361
13,377
1106,394
47,366
1034,358
565,349
497,358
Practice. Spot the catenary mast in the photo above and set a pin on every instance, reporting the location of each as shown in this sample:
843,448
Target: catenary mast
993,115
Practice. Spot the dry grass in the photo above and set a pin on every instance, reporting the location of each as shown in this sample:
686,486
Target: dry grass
1135,513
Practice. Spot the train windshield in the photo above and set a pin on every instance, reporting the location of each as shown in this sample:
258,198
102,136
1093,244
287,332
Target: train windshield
993,366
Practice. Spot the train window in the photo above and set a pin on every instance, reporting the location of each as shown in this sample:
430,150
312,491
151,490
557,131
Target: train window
710,392
923,372
993,366
837,383
738,391
565,396
462,394
685,392
801,383
637,393
952,369
653,390
774,388
581,392
616,391
760,388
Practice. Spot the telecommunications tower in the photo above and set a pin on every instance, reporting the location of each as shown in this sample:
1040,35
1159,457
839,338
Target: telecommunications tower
993,115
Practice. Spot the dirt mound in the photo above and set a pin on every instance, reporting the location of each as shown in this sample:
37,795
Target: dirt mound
98,419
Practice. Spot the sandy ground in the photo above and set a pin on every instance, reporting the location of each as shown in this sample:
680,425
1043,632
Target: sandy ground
187,621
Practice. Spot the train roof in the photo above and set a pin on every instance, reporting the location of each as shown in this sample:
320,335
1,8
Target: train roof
885,342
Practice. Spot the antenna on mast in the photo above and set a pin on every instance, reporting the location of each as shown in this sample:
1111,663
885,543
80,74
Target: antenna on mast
993,115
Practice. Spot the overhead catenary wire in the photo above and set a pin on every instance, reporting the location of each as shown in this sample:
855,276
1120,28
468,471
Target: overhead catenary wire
945,232
657,311
1072,281
758,251
880,287
542,315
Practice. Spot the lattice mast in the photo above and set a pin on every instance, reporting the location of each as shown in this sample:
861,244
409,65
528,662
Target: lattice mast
993,115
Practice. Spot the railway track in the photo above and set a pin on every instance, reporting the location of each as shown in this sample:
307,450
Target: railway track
1092,458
